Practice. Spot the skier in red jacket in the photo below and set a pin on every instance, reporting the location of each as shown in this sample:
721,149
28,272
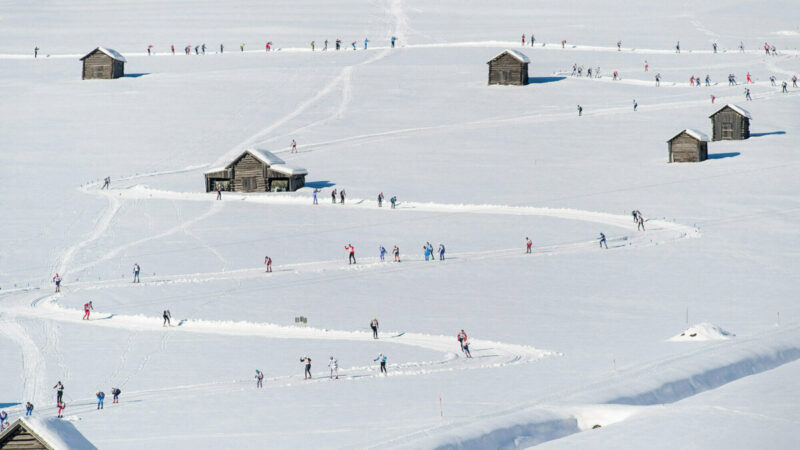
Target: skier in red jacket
86,308
352,251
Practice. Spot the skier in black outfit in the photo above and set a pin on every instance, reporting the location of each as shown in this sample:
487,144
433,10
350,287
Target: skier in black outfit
59,392
307,360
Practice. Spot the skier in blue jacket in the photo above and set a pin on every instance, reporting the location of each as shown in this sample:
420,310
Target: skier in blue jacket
382,358
441,252
383,253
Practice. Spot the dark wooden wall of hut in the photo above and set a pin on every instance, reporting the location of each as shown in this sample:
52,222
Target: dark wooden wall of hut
21,439
730,126
685,148
101,66
516,72
252,169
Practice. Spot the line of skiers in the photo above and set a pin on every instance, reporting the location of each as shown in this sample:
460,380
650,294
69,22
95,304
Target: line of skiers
200,49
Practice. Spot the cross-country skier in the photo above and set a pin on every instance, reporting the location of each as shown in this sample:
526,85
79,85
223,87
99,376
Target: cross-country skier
603,241
635,217
640,223
382,252
334,366
396,253
354,45
712,99
219,192
313,46
393,200
136,270
366,41
580,110
441,252
196,49
167,318
316,191
465,347
268,263
462,337
635,105
374,325
427,252
646,66
106,183
747,94
3,420
294,146
741,46
57,278
352,252
333,196
523,39
35,52
28,409
708,80
380,199
241,47
59,392
772,80
259,379
341,197
221,48
172,48
115,393
393,40
87,307
714,45
149,47
100,397
325,48
533,39
678,47
658,79
338,44
783,90
619,46
794,81
528,245
307,372
749,80
382,358
203,48
61,407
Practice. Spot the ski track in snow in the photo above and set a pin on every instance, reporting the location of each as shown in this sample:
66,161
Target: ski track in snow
33,363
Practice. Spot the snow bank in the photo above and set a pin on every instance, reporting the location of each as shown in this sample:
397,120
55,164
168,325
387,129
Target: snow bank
702,332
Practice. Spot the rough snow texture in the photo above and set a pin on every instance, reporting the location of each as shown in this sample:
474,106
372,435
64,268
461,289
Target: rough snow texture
702,332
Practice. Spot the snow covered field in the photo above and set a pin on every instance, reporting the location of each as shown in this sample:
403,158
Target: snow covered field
569,337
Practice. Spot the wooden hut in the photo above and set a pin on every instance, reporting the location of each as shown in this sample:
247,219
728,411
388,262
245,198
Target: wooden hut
688,146
104,64
256,170
509,67
33,433
731,123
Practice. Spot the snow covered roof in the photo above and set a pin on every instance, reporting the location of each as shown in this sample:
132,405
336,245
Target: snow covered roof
289,170
215,170
699,135
265,156
517,55
56,434
736,108
108,51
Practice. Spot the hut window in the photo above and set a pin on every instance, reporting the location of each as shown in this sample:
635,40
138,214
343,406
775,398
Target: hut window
505,75
249,183
279,185
727,130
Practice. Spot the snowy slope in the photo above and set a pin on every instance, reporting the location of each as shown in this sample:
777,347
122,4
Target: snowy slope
563,339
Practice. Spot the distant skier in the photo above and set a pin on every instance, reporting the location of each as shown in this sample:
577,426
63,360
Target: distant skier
316,191
382,358
338,44
380,199
465,348
87,308
325,48
203,48
307,372
241,47
28,409
115,393
563,43
259,379
352,251
794,81
221,49
580,110
36,52
708,80
100,397
57,278
749,80
635,105
219,192
427,252
393,40
366,41
714,46
106,183
59,392
341,197
441,252
619,46
678,47
528,245
615,75
396,253
741,46
196,49
646,66
3,420
294,146
603,241
658,79
333,196
772,80
712,99
149,47
172,48
635,215
393,200
640,223
747,94
523,39
462,337
136,270
382,252
353,44
268,263
374,325
783,90
61,407
269,46
313,46
167,318
333,365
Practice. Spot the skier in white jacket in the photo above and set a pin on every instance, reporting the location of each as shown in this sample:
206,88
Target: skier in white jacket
334,366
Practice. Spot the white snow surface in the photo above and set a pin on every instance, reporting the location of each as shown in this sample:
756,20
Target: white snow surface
562,339
702,332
